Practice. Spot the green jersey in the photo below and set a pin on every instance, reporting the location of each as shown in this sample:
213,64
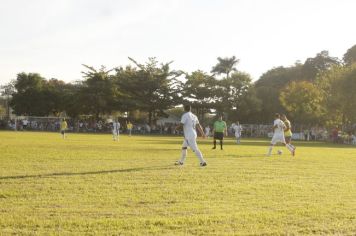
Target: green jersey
219,126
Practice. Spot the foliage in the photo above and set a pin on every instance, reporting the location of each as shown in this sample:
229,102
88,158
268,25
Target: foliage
148,87
225,66
303,100
350,56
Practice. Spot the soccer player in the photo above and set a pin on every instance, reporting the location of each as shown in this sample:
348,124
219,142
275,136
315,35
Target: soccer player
288,131
190,122
278,135
63,127
207,131
237,129
219,130
129,127
116,130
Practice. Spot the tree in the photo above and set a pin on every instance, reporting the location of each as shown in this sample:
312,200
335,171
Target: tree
230,90
338,86
321,62
149,87
7,91
28,98
98,92
248,109
268,89
199,90
350,56
225,66
304,101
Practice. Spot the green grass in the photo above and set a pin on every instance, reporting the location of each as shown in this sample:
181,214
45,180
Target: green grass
89,184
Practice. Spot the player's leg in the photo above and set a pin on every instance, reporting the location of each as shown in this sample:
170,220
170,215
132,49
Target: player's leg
184,153
221,141
194,146
289,145
273,142
214,142
118,135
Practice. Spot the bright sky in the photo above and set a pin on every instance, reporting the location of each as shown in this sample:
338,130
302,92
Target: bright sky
54,37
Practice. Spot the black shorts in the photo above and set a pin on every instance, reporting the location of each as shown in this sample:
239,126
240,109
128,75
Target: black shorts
219,135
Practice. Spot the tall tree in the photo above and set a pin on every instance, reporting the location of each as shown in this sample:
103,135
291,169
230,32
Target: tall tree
149,87
321,62
225,65
98,92
7,91
350,56
199,90
304,101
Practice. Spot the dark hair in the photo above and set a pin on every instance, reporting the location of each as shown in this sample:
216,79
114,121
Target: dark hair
277,115
187,107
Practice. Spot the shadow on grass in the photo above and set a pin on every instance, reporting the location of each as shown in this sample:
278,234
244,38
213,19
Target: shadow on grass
250,142
87,173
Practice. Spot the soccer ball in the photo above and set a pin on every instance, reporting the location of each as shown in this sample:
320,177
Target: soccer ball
279,152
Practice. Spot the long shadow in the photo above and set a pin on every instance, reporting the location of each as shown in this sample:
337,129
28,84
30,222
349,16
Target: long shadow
87,173
251,142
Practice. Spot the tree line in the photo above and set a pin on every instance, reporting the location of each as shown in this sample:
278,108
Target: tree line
319,91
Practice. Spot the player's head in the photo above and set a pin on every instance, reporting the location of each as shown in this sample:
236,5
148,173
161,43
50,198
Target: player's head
277,116
63,119
220,117
237,122
283,117
187,108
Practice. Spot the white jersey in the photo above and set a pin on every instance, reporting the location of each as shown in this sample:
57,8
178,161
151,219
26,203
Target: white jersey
237,129
280,126
116,126
189,121
207,130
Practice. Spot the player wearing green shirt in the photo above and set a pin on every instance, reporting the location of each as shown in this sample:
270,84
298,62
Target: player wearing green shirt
220,128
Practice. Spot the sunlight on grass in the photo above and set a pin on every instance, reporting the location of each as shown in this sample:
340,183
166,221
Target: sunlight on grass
88,184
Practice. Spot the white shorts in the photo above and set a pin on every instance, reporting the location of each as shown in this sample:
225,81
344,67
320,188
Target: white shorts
115,132
278,138
190,142
237,135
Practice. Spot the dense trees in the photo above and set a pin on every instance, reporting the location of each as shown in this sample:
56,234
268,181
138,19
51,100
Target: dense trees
319,91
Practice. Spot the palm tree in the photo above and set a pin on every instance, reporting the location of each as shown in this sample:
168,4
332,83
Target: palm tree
225,65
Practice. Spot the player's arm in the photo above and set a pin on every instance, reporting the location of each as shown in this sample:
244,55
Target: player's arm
201,131
274,128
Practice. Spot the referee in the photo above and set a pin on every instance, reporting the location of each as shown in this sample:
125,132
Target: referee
219,130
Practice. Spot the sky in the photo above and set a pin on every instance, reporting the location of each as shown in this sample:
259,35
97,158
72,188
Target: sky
55,37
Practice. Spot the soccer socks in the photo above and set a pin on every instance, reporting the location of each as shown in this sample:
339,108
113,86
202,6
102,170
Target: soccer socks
199,155
184,155
270,151
221,144
289,147
214,143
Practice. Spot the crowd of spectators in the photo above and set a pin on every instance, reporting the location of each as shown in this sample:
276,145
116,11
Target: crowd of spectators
334,135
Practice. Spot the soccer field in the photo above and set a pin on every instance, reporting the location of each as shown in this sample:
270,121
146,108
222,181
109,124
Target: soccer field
88,184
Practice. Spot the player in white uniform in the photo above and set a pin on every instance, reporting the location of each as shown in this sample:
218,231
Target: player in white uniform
278,135
207,131
116,130
190,122
237,129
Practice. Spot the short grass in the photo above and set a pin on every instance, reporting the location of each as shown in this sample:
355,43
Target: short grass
90,185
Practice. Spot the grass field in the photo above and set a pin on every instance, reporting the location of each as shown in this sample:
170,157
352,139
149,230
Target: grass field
88,184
